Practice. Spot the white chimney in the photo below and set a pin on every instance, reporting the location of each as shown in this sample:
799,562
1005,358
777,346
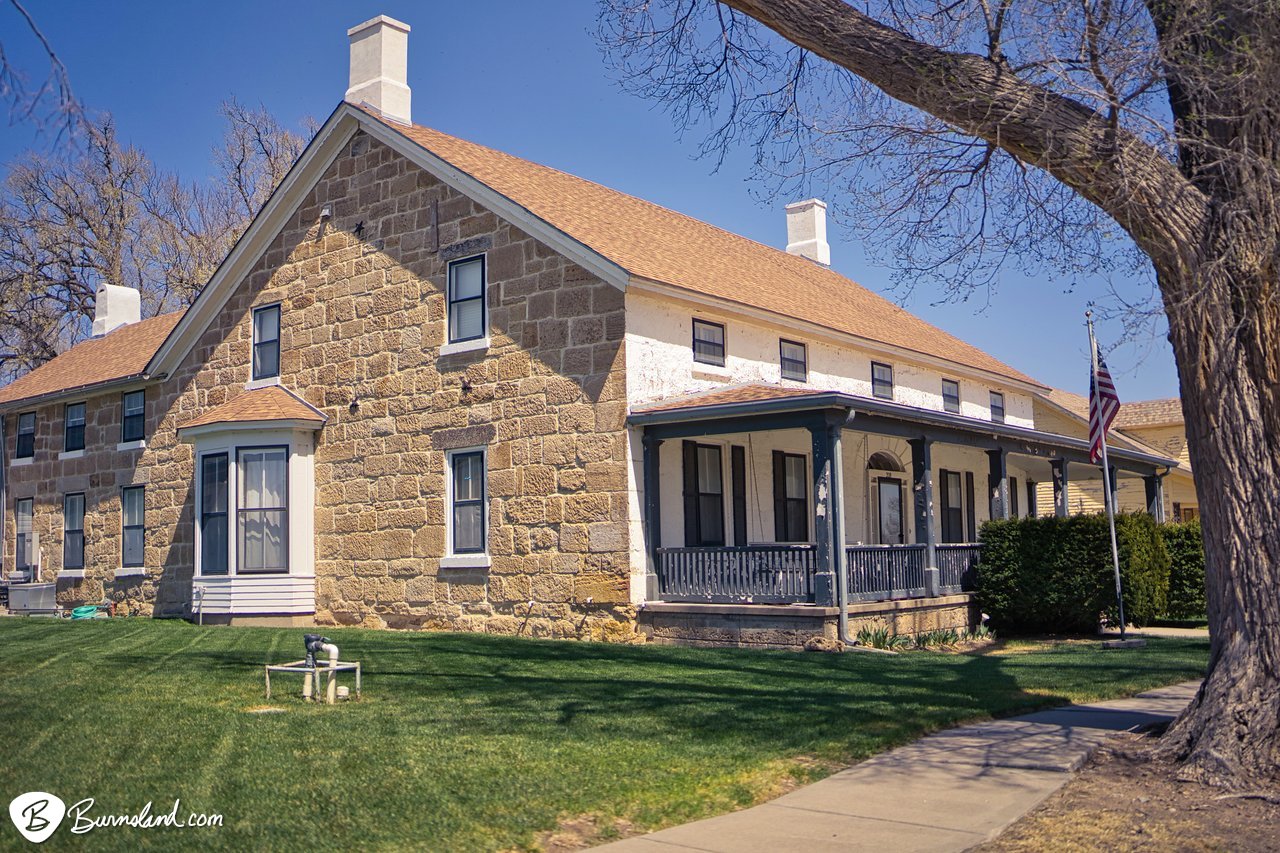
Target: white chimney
115,306
380,67
807,230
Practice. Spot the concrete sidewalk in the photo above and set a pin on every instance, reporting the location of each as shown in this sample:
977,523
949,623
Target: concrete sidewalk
945,792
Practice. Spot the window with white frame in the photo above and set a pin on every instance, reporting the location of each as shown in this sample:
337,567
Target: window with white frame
73,431
997,407
794,358
213,513
466,499
24,555
708,342
466,308
133,525
132,408
951,396
26,436
262,528
73,531
266,342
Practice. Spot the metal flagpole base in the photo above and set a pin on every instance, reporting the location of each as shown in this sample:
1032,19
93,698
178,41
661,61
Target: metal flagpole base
1131,643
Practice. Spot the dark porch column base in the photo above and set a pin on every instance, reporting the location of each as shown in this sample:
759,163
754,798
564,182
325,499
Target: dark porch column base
824,589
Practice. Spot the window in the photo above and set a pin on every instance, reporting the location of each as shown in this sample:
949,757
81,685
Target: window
794,359
997,407
131,424
708,342
263,511
790,498
892,529
703,495
26,435
951,396
1013,498
466,300
23,552
73,434
266,342
881,380
213,514
73,531
467,495
132,524
952,507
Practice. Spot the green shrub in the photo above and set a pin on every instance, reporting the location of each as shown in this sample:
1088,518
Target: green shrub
1186,570
1054,575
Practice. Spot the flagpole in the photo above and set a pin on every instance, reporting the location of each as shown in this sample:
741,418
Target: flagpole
1108,497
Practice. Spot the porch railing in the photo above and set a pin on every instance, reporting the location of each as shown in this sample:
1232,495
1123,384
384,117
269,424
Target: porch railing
877,572
957,568
757,574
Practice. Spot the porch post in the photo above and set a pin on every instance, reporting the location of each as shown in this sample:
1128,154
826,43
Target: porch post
998,482
922,488
652,512
1031,498
1114,497
1155,496
1061,508
825,507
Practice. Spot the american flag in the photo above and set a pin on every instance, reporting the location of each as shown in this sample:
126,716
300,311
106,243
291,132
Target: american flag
1104,405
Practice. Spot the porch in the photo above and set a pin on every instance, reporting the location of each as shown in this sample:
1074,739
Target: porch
794,499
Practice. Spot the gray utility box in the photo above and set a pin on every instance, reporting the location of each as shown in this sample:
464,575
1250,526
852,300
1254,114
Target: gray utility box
33,598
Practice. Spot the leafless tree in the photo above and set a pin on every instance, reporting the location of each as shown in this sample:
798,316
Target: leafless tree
47,104
1072,134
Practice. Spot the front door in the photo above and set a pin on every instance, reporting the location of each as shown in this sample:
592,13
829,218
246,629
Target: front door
889,504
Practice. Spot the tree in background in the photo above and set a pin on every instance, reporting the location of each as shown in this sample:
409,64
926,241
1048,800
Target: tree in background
1064,135
99,211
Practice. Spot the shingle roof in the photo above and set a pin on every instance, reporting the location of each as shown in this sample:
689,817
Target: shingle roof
272,403
1079,406
1073,403
752,393
1149,413
120,354
654,243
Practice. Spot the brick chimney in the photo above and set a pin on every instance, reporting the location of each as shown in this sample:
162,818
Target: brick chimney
807,230
380,67
115,306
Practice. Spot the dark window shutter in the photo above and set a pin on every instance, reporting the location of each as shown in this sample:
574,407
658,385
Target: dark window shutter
944,504
779,496
1031,498
738,468
690,494
970,515
1013,498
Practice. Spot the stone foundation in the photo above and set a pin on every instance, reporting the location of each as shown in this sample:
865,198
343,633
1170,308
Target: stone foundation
790,626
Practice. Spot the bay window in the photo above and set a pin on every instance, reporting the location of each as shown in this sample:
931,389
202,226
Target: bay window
213,514
262,511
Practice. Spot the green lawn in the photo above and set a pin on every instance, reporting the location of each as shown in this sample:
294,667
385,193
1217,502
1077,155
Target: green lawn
475,742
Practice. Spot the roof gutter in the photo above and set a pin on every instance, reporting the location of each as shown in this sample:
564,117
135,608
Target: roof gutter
67,393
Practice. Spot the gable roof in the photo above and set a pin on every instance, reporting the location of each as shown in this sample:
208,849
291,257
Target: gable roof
1146,413
1078,406
754,392
272,403
115,357
653,243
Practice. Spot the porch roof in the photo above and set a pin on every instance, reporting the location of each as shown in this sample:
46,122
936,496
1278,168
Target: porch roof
272,404
764,406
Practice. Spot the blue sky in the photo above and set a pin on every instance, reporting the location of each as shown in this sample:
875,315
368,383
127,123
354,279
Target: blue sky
524,77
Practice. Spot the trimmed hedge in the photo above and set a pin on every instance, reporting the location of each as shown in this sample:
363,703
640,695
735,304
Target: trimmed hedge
1186,570
1054,575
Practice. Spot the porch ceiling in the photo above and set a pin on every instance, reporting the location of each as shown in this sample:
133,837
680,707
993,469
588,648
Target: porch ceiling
760,406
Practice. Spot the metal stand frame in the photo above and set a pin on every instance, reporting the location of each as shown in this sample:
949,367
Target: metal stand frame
311,683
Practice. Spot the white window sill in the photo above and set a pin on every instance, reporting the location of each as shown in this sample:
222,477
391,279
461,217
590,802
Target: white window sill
140,444
465,561
71,454
22,460
131,571
73,574
261,383
465,346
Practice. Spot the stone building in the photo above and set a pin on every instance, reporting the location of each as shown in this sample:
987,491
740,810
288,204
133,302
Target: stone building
435,385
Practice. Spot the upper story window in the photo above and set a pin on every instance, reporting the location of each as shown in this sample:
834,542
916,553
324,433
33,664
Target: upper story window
882,380
266,342
73,434
26,436
951,396
794,358
997,407
466,309
131,422
466,497
708,342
